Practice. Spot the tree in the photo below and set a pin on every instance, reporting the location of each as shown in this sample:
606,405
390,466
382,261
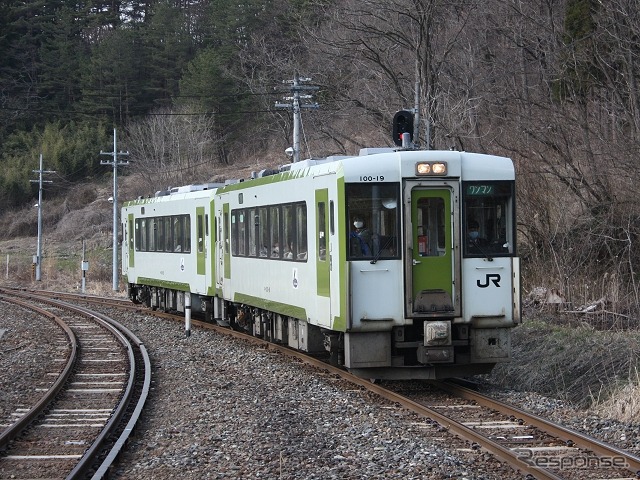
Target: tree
172,148
61,54
113,81
168,46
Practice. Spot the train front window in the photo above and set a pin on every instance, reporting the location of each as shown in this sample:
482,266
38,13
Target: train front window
373,221
489,219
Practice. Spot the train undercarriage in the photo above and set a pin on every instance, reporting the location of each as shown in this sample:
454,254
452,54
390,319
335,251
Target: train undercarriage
408,357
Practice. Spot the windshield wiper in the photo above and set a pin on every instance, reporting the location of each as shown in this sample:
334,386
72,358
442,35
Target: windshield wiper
482,251
377,255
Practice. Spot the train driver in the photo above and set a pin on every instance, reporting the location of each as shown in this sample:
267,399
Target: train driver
473,233
360,238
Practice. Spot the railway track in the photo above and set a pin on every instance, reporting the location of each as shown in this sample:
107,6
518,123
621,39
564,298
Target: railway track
533,446
81,422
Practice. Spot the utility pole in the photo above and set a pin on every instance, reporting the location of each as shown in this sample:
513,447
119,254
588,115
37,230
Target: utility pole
115,164
296,106
40,181
416,118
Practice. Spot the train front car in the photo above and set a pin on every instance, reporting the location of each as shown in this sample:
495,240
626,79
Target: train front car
433,278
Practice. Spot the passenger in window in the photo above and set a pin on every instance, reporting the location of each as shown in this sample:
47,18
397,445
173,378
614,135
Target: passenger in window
360,239
288,252
476,242
275,251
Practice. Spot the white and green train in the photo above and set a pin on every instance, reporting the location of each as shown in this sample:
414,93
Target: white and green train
398,264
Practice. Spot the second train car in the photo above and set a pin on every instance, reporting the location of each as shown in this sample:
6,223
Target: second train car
400,264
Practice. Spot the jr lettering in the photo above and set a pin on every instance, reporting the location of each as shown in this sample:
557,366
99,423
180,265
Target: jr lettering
491,278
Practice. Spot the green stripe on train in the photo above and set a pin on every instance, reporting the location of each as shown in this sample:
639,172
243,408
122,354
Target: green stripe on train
154,282
270,305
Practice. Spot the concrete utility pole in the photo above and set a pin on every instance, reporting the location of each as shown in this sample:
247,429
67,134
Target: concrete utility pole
296,106
115,164
38,259
416,118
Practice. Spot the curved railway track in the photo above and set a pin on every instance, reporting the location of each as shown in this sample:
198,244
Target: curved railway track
80,424
533,446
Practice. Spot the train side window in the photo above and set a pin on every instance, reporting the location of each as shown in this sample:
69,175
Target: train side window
263,232
168,240
332,219
153,234
138,234
234,233
274,232
242,249
160,237
301,231
200,233
252,226
143,235
177,234
322,234
131,234
288,224
187,234
225,231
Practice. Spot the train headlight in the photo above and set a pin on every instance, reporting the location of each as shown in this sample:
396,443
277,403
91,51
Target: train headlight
439,168
431,168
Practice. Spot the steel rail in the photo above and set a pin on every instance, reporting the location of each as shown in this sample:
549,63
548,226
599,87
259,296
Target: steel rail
568,435
126,338
103,469
23,422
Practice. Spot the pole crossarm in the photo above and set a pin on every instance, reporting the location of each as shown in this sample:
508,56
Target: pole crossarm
298,102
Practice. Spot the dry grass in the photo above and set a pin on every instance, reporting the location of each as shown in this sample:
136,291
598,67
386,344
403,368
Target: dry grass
559,357
624,403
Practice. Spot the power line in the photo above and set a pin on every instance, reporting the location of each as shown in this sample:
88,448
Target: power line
86,112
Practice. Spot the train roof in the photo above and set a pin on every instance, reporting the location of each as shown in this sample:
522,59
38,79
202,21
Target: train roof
396,164
392,164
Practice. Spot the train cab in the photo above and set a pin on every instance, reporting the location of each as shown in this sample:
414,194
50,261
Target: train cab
423,288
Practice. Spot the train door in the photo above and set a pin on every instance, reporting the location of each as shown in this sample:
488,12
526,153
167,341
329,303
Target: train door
202,231
130,247
431,269
222,251
323,258
129,236
212,244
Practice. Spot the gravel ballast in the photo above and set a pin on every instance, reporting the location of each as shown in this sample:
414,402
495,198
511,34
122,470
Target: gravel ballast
220,407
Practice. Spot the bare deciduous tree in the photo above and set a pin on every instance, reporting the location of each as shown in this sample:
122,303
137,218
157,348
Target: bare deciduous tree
171,148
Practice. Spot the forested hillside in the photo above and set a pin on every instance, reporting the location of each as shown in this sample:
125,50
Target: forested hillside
191,85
